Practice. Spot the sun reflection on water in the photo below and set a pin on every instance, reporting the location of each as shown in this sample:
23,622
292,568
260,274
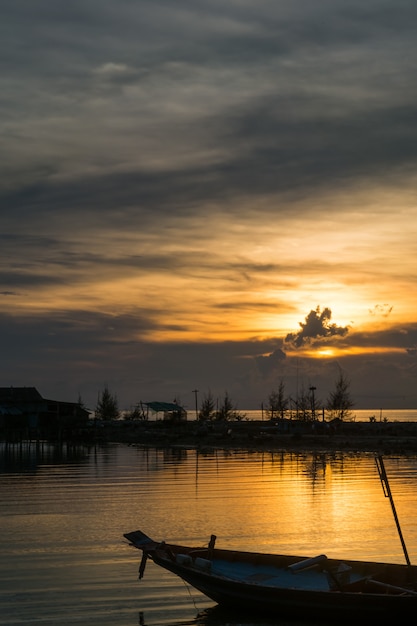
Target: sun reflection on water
62,522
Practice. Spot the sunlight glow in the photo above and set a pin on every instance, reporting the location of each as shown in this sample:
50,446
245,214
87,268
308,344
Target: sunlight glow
237,280
336,351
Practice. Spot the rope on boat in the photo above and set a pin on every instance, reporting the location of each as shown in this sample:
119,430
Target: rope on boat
187,586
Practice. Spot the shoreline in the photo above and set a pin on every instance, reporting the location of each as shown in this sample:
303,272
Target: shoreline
372,437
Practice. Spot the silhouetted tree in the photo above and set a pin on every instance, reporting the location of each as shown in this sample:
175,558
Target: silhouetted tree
277,403
107,406
339,402
208,408
303,406
137,413
307,406
80,402
227,410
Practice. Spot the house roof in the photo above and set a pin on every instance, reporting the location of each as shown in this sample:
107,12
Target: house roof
163,406
29,397
19,394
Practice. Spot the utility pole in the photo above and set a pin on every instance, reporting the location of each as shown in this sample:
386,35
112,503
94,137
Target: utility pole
313,403
195,392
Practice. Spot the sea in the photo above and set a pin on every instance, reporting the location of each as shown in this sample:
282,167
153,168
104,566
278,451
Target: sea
64,510
358,415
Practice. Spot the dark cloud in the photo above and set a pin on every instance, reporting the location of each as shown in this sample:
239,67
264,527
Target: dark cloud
271,362
305,122
316,326
280,157
401,337
77,353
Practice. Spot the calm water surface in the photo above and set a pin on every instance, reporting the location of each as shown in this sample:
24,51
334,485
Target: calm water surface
63,512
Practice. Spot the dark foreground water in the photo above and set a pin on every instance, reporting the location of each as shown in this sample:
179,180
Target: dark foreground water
63,512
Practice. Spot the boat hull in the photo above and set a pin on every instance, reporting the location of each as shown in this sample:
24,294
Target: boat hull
276,601
281,585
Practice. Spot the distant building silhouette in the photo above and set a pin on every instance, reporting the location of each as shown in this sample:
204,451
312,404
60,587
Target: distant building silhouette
24,413
172,411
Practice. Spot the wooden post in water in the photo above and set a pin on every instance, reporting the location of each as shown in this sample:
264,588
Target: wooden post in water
387,493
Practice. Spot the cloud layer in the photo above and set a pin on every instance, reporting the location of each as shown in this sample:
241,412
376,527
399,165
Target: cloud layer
182,183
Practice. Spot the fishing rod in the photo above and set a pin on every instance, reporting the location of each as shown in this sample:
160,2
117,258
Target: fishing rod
387,493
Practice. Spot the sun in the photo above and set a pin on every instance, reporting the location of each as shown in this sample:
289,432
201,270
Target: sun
326,352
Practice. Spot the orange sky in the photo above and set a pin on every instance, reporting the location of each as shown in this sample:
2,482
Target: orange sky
178,197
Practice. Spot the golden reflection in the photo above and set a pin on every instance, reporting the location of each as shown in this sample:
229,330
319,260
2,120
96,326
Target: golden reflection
81,501
300,503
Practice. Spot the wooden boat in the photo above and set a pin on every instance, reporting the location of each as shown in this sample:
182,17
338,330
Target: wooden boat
279,585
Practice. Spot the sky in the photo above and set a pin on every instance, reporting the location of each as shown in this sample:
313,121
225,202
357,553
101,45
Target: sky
209,195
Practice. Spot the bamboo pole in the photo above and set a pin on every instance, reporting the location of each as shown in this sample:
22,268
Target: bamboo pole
387,493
